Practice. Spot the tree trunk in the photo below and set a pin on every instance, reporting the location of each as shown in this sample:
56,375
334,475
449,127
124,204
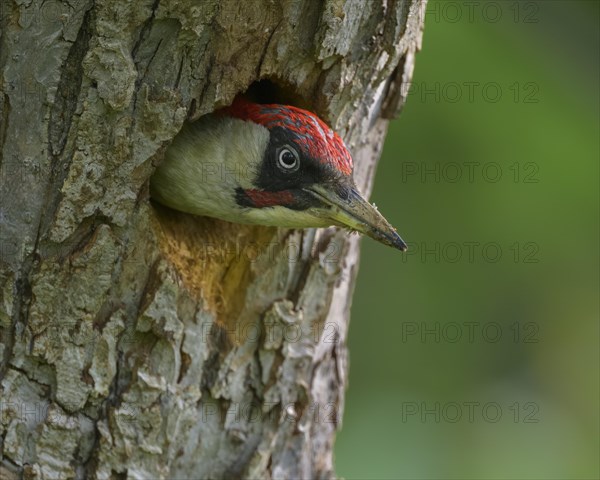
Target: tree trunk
141,342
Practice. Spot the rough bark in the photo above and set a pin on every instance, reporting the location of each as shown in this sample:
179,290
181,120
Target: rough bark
140,342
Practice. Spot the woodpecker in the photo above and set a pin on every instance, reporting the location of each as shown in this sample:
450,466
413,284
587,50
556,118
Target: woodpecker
266,164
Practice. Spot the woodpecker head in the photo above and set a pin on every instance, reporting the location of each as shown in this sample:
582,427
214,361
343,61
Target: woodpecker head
270,165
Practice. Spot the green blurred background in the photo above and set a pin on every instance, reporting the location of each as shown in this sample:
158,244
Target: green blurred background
476,355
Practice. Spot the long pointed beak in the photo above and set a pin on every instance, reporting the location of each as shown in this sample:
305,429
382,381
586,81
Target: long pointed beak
355,213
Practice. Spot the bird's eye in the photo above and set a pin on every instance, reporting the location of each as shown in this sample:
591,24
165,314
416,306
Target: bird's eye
288,159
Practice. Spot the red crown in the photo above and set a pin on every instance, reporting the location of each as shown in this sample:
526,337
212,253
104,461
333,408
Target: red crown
315,138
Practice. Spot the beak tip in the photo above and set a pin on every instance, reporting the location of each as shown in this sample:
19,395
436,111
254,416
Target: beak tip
390,238
400,244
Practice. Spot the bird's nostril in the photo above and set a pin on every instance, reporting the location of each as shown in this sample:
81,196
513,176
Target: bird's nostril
346,193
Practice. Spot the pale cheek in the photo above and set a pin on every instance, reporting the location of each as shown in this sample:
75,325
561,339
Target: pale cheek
284,217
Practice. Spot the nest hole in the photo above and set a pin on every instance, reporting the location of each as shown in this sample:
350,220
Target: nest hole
276,91
215,259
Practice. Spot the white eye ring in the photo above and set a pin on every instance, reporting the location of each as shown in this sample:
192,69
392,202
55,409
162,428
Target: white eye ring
288,159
